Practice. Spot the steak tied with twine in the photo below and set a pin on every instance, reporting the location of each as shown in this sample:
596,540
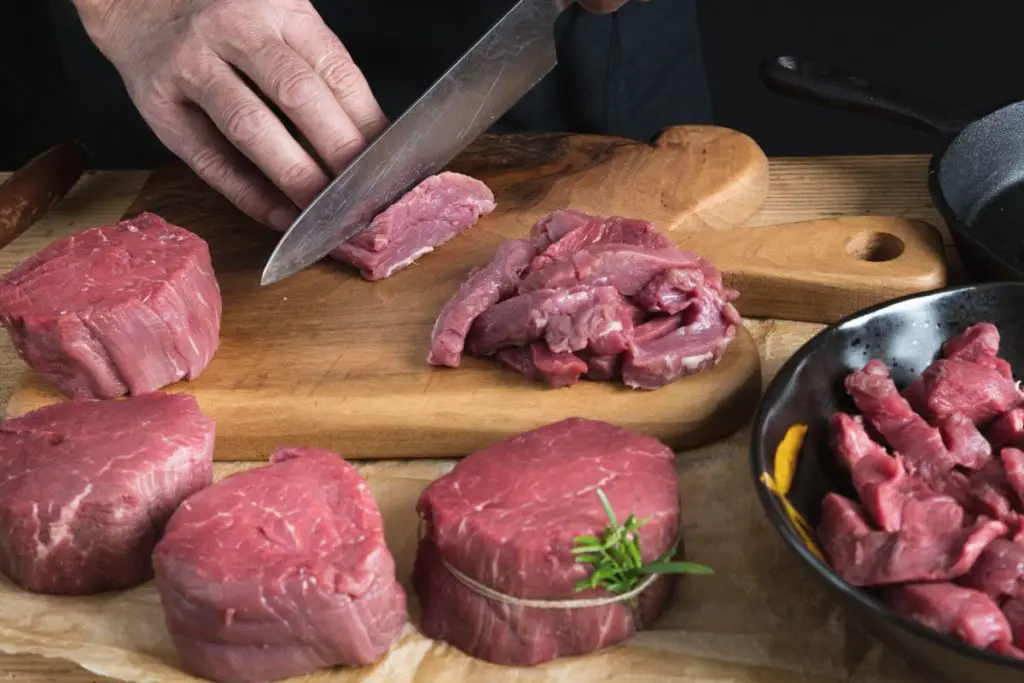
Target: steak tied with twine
616,564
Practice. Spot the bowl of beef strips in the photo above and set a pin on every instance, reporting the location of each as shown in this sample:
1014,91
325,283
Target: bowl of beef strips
907,499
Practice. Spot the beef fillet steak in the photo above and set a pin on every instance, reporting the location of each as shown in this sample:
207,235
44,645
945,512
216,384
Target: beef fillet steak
124,309
87,486
279,571
507,516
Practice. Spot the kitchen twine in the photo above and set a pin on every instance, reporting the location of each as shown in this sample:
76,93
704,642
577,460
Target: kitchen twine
539,603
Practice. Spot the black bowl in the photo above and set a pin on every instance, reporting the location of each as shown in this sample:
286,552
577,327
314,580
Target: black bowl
907,334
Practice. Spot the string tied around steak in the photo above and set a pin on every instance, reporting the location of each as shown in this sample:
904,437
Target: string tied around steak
543,603
617,563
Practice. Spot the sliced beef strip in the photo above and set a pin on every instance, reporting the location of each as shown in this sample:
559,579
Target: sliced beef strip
525,318
999,571
602,231
605,327
1013,610
1012,460
515,534
279,571
554,226
684,352
538,362
123,309
482,289
623,266
895,500
609,368
990,493
975,342
602,368
673,290
967,446
863,556
86,488
904,430
657,327
704,334
437,210
978,343
969,615
1007,429
980,392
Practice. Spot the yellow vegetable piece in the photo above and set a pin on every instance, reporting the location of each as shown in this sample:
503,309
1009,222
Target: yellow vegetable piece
786,456
785,470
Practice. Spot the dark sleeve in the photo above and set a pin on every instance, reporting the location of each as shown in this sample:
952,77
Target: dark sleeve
630,74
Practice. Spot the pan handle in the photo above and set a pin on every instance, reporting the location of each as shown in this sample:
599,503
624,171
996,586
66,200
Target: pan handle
840,89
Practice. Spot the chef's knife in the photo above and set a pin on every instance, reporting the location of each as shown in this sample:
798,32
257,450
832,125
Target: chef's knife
31,191
486,82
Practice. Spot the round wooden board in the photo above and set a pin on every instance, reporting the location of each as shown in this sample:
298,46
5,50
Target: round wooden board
325,358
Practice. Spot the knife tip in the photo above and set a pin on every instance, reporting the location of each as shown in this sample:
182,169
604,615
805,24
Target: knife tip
269,276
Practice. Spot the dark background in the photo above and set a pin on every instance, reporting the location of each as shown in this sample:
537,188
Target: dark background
968,54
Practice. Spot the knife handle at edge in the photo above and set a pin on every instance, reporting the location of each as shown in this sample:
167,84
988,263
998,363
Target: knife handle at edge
33,189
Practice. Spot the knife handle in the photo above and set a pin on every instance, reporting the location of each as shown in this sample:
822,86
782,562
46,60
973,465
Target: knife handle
32,190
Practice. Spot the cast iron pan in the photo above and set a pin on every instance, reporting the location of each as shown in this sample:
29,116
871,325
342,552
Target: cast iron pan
977,176
907,334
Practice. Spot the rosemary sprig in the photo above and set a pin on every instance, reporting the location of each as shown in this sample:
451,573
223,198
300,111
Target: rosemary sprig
618,566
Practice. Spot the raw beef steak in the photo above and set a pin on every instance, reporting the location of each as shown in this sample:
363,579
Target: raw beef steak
506,517
279,571
87,486
125,309
432,213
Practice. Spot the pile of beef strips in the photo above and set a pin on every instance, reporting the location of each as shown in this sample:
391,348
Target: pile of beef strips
939,526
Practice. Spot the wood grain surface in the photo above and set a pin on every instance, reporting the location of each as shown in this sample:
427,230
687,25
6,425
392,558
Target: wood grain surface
802,189
327,359
824,270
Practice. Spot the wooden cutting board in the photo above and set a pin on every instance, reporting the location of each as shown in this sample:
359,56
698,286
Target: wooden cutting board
325,358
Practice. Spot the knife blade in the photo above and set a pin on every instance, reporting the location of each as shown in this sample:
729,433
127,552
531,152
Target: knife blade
511,58
34,189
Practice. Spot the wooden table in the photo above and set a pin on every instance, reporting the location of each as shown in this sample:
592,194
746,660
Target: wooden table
801,189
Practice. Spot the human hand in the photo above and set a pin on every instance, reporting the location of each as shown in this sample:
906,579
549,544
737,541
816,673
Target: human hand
183,62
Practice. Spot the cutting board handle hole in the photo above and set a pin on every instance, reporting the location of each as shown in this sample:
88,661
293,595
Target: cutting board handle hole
875,246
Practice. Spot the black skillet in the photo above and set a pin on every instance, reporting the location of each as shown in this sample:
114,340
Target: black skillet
907,334
976,178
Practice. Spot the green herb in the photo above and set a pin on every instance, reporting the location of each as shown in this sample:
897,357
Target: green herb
618,566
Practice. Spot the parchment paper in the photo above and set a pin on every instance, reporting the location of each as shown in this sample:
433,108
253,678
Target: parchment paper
760,619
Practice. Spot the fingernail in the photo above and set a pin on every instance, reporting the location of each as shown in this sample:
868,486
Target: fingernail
282,218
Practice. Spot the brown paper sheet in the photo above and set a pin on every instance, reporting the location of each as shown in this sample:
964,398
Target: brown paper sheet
761,618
